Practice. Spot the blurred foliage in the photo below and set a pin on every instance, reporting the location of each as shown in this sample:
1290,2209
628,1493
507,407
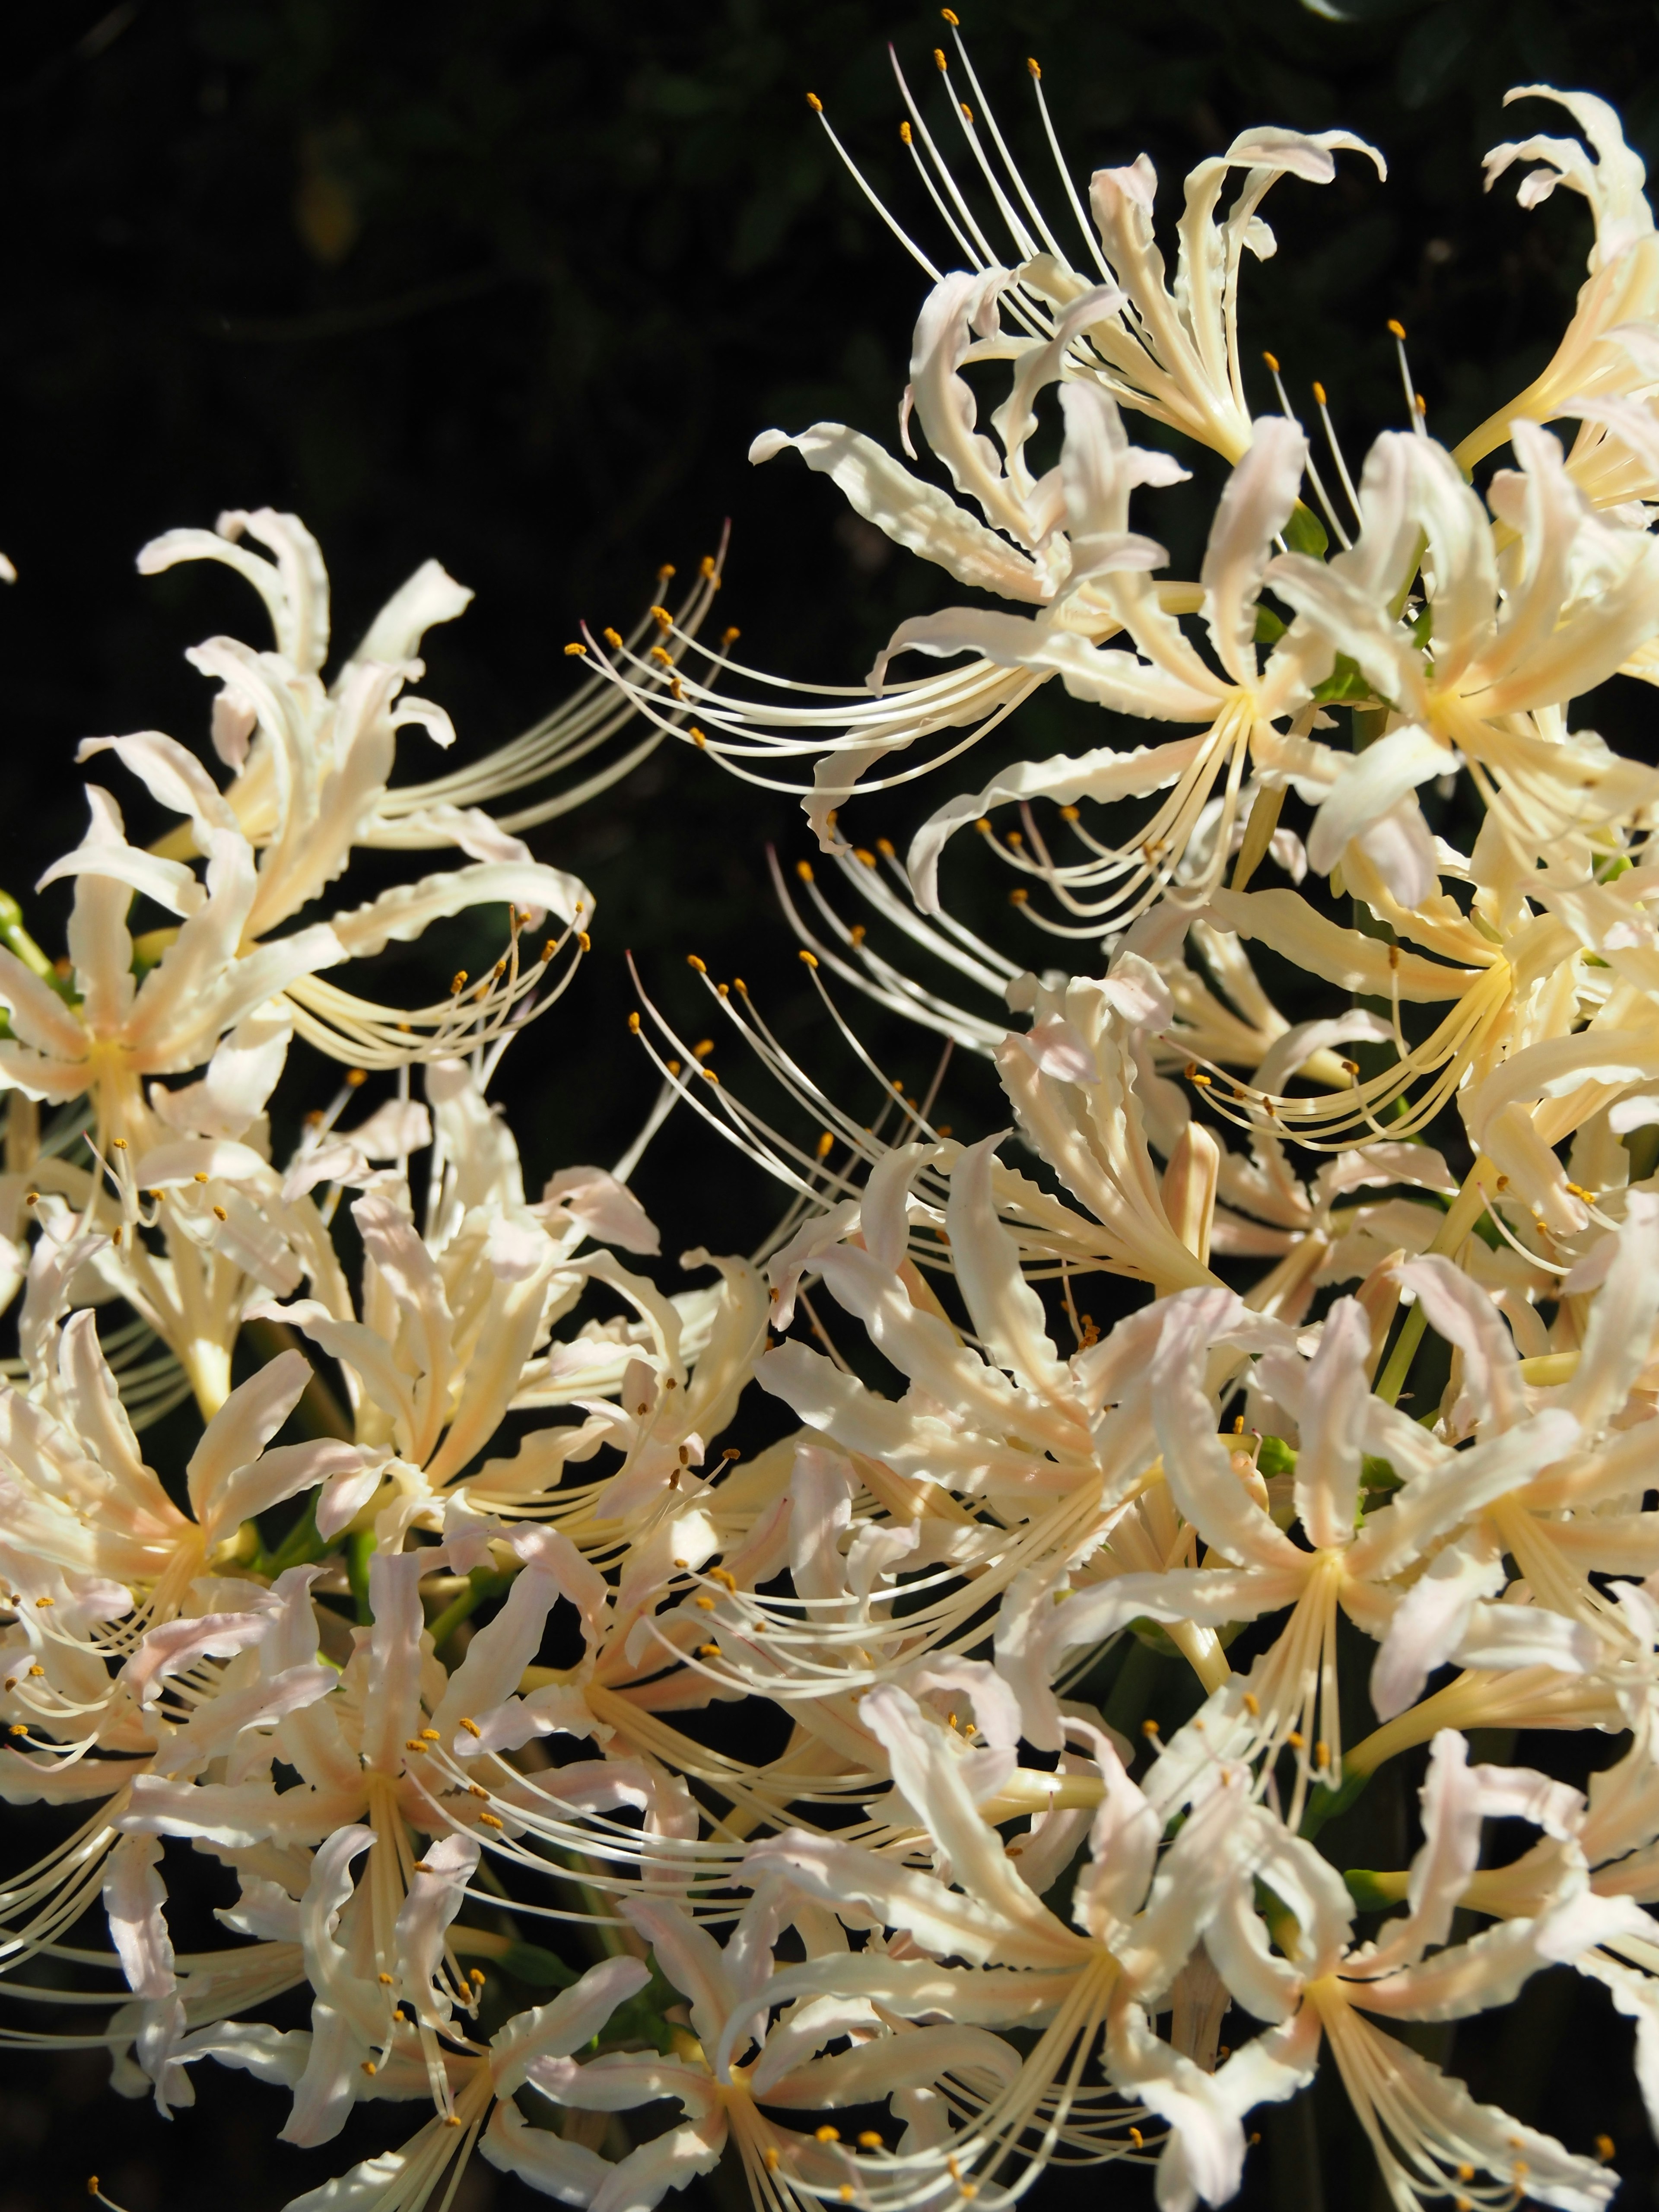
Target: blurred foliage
514,285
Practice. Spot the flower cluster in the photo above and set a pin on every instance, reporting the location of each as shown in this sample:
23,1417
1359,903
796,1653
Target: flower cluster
576,1761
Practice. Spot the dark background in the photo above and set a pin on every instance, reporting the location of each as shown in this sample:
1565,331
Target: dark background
513,285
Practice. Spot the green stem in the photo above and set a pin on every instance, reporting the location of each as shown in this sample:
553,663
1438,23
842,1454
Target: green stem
1465,1209
482,1582
359,1550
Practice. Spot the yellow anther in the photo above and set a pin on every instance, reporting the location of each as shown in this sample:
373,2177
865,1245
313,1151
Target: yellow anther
1031,64
471,1727
574,651
862,852
477,1976
845,2192
871,2141
1322,1753
478,1789
200,1176
17,1728
662,618
770,2155
1137,2139
584,940
1019,896
967,117
1422,403
1252,1704
661,656
1465,2172
904,134
826,1145
1319,394
706,568
413,1743
634,1023
808,959
452,2119
950,16
119,1143
729,637
1604,2148
369,2067
490,1819
814,103
1195,1073
1069,814
1149,1729
1296,1738
827,2134
33,1197
939,61
701,1050
710,1076
803,870
420,1867
355,1078
1397,329
709,1652
701,966
706,1604
458,983
384,1979
983,826
37,1669
613,638
697,738
1272,359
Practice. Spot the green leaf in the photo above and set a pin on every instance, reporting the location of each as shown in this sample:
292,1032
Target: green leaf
1268,628
1344,682
540,1969
1275,1457
1305,533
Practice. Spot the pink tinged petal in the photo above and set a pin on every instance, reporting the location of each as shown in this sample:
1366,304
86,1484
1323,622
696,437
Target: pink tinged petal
435,1897
1007,1312
1197,1465
883,1213
1428,1621
1204,2156
284,1472
689,1957
1255,504
787,1265
913,512
607,1209
1061,1050
345,1494
645,2177
405,913
1379,777
1333,1418
171,774
568,2172
574,2017
240,1078
104,853
928,1779
177,1645
499,1653
1622,1319
38,1015
1499,1635
243,1427
1466,1316
1123,1842
1434,1503
393,1703
135,1899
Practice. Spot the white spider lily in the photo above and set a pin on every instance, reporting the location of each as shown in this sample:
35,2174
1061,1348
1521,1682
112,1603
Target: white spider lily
1296,1970
1622,292
1169,350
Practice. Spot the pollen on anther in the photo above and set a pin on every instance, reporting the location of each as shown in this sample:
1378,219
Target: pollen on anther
1031,64
575,650
1272,359
1397,329
814,103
